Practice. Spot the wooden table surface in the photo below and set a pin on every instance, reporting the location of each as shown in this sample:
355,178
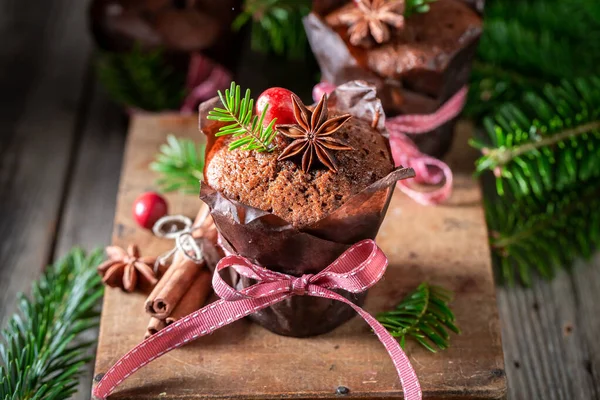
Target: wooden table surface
61,147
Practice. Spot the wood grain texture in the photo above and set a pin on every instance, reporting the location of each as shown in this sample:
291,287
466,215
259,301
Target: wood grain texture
446,245
550,336
43,58
91,194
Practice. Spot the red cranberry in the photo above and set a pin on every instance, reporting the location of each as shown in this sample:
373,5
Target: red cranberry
148,208
279,101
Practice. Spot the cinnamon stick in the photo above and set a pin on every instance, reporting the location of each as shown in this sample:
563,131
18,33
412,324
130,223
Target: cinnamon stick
177,280
172,287
194,298
154,325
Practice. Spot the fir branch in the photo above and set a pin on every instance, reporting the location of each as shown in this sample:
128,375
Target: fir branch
276,26
40,359
546,234
423,315
530,41
552,15
141,79
180,164
551,140
247,129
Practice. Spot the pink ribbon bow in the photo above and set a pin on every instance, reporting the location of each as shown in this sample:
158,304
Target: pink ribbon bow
429,170
356,270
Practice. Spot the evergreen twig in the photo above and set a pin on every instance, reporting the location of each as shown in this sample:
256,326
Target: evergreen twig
40,358
423,315
548,141
180,164
247,128
141,79
528,42
541,136
544,234
276,26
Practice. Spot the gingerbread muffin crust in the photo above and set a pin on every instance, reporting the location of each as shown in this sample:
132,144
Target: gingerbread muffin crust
281,187
428,41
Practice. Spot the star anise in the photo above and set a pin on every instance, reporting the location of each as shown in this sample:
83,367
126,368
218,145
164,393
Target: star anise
312,134
127,269
373,17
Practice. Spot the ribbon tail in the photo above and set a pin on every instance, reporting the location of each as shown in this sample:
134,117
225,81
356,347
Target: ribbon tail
432,197
187,329
406,373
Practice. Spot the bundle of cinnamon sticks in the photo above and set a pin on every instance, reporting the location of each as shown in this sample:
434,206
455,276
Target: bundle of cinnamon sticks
186,285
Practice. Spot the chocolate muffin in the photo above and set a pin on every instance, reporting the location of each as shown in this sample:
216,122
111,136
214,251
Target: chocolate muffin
282,188
296,214
420,67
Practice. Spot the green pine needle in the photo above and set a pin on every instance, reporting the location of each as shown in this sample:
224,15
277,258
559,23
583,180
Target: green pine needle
141,79
180,164
536,90
543,235
40,355
243,125
276,26
526,44
424,316
548,141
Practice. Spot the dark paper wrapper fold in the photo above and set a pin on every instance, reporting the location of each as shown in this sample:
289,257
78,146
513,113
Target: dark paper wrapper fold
274,243
416,91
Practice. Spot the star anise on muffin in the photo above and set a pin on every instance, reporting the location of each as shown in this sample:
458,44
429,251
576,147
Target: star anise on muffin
127,269
312,134
373,18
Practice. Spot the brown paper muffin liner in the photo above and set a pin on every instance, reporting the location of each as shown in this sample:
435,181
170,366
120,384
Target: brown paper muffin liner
273,243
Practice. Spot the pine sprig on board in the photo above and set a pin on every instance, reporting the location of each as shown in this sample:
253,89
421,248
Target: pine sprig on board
141,80
243,125
40,355
543,235
180,164
424,316
548,141
276,26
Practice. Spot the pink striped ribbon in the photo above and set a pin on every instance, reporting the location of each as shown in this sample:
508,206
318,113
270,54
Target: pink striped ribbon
356,270
429,170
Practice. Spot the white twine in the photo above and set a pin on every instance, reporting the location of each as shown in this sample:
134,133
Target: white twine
166,227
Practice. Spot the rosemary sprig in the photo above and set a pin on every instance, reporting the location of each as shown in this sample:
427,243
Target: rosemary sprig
423,315
180,164
40,356
246,128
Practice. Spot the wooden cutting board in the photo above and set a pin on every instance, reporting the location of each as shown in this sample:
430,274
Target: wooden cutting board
445,245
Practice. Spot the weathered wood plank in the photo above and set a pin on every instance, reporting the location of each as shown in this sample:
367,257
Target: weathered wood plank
549,335
586,325
43,59
92,193
446,245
